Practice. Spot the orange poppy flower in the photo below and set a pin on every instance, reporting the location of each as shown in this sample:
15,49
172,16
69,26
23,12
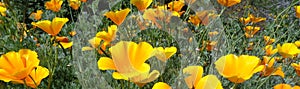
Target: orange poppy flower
15,66
164,54
194,80
117,17
52,28
64,41
37,75
176,5
297,9
109,35
157,14
252,18
228,3
297,43
75,4
238,69
296,67
288,50
37,15
129,63
250,31
269,69
161,85
54,5
202,17
268,40
141,4
83,0
285,86
270,51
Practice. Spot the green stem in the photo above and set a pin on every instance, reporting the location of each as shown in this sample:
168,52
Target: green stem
25,85
234,86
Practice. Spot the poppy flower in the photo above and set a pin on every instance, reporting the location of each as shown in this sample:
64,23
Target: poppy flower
238,69
157,14
250,31
228,3
141,4
83,0
252,18
128,59
270,51
37,76
285,86
95,43
202,17
109,35
117,17
164,54
52,28
64,41
269,68
296,67
161,85
15,66
297,43
297,9
54,5
194,80
2,9
288,50
36,15
268,40
176,5
75,4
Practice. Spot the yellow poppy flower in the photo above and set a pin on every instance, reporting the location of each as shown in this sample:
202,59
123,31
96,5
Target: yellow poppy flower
268,40
288,50
95,43
228,3
16,66
250,31
161,85
194,19
75,4
37,15
175,5
296,67
109,35
297,9
238,69
64,41
270,51
128,59
164,54
54,5
2,9
37,75
269,69
141,4
52,28
194,80
297,43
282,86
252,18
117,17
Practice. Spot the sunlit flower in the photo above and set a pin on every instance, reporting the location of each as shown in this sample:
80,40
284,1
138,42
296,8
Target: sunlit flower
75,4
109,35
15,66
288,50
117,17
175,6
203,17
194,80
128,59
161,85
52,28
238,69
95,43
141,4
250,31
228,3
2,9
35,77
285,86
269,69
297,9
54,5
37,15
252,18
270,51
64,41
268,40
164,54
296,67
297,43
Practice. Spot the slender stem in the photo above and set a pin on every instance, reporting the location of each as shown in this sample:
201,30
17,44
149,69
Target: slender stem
34,81
62,48
25,85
